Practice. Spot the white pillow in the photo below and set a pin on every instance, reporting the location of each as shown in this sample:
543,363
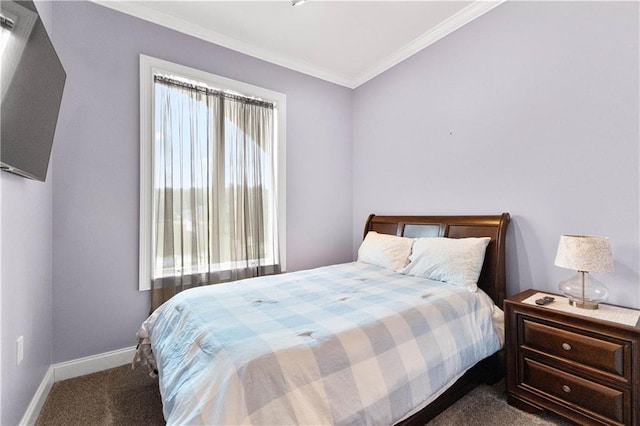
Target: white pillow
387,251
456,261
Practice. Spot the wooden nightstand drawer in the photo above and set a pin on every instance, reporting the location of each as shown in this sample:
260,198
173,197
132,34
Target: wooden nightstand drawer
583,368
597,353
583,394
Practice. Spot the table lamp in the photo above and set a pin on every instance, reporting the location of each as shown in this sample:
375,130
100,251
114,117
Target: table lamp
584,253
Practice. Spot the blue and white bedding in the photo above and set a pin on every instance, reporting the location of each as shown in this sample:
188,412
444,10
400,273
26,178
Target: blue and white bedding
344,344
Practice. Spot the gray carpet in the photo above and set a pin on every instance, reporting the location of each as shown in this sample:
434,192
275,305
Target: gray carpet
121,396
487,406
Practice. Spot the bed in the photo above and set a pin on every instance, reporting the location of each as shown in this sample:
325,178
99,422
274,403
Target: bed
344,344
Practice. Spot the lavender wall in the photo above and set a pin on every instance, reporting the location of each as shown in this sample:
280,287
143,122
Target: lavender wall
26,290
531,109
96,302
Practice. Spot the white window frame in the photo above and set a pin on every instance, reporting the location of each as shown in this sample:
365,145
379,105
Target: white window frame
150,66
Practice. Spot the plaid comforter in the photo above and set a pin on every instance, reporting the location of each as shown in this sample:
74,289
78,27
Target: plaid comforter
343,344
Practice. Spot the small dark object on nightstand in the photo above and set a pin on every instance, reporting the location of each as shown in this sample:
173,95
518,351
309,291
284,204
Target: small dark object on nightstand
545,300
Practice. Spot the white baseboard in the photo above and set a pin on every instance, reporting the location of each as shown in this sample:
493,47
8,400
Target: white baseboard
33,410
92,364
70,369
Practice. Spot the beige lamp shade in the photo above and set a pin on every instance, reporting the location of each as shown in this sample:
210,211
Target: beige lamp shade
584,253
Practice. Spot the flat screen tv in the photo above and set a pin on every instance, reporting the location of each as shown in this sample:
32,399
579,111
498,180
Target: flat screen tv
32,81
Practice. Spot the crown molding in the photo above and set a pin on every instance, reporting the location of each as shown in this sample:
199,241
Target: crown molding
466,15
446,27
140,11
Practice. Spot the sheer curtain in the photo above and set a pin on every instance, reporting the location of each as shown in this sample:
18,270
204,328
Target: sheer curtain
214,212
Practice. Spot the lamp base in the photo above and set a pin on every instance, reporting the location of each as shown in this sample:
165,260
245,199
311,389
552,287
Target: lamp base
584,304
584,291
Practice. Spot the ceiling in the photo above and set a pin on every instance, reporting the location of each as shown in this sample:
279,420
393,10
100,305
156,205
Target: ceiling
344,42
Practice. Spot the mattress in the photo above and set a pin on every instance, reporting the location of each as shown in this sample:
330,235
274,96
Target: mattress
343,344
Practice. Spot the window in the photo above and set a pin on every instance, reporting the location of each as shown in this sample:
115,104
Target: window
212,203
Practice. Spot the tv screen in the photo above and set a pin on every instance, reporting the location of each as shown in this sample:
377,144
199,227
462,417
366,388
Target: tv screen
32,81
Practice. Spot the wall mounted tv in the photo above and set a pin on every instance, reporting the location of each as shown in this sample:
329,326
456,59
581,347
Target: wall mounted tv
32,81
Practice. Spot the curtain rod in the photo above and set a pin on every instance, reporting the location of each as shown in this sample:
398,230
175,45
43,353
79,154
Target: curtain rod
209,91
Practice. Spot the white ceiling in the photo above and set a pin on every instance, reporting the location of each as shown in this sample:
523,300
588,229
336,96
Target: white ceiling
345,42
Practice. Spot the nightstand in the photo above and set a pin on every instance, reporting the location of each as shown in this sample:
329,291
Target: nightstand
582,368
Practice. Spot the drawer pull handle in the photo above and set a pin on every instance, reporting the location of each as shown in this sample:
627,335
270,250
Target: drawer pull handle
566,346
566,388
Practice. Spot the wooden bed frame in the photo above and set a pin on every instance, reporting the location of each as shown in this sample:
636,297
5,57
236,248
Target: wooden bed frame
492,281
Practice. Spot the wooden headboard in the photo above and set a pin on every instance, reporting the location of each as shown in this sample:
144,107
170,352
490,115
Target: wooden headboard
492,278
